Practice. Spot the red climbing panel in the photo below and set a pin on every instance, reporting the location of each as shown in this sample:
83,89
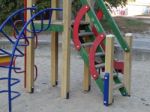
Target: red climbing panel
93,49
78,19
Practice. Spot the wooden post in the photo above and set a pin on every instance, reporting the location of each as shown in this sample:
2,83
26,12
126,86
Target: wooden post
29,56
87,77
127,64
66,49
109,56
54,4
54,58
54,49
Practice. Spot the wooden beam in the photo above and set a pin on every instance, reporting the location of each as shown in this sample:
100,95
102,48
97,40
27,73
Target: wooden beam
54,48
29,56
86,79
54,58
66,49
109,56
127,64
54,4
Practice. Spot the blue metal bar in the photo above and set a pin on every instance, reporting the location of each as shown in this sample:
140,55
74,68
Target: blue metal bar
106,89
14,14
18,94
13,79
5,52
15,92
7,37
22,54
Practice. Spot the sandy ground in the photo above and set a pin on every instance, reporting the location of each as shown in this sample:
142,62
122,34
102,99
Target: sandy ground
47,98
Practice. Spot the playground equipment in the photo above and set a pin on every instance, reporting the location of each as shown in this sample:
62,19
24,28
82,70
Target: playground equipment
8,57
98,55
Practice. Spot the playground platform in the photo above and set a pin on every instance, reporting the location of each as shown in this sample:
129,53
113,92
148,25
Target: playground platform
47,98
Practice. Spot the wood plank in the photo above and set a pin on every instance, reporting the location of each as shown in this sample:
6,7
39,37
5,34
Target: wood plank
109,64
54,47
54,4
127,64
29,56
86,79
66,49
54,58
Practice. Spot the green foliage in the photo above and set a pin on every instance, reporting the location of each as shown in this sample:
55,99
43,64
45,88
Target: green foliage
113,3
116,3
42,4
9,6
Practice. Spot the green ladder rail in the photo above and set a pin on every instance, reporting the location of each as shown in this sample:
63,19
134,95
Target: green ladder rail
115,29
110,20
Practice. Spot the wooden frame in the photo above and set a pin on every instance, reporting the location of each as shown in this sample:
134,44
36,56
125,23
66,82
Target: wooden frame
87,76
127,64
54,49
54,56
29,57
65,84
109,58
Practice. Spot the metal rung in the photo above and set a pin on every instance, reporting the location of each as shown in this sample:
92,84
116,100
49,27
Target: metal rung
82,23
99,54
16,96
118,86
87,44
100,65
83,34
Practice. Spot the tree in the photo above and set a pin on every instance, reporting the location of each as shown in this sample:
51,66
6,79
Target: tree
9,6
113,3
116,3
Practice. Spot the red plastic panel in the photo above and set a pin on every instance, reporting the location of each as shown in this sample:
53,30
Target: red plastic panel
119,66
99,14
78,18
99,39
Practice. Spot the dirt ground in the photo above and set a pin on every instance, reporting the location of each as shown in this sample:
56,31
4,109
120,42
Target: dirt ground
47,98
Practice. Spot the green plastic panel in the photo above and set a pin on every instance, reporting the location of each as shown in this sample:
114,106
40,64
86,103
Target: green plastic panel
56,28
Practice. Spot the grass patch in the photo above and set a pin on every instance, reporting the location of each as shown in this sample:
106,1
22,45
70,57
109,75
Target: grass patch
127,25
131,25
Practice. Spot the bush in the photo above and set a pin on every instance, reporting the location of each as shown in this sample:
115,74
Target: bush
9,6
